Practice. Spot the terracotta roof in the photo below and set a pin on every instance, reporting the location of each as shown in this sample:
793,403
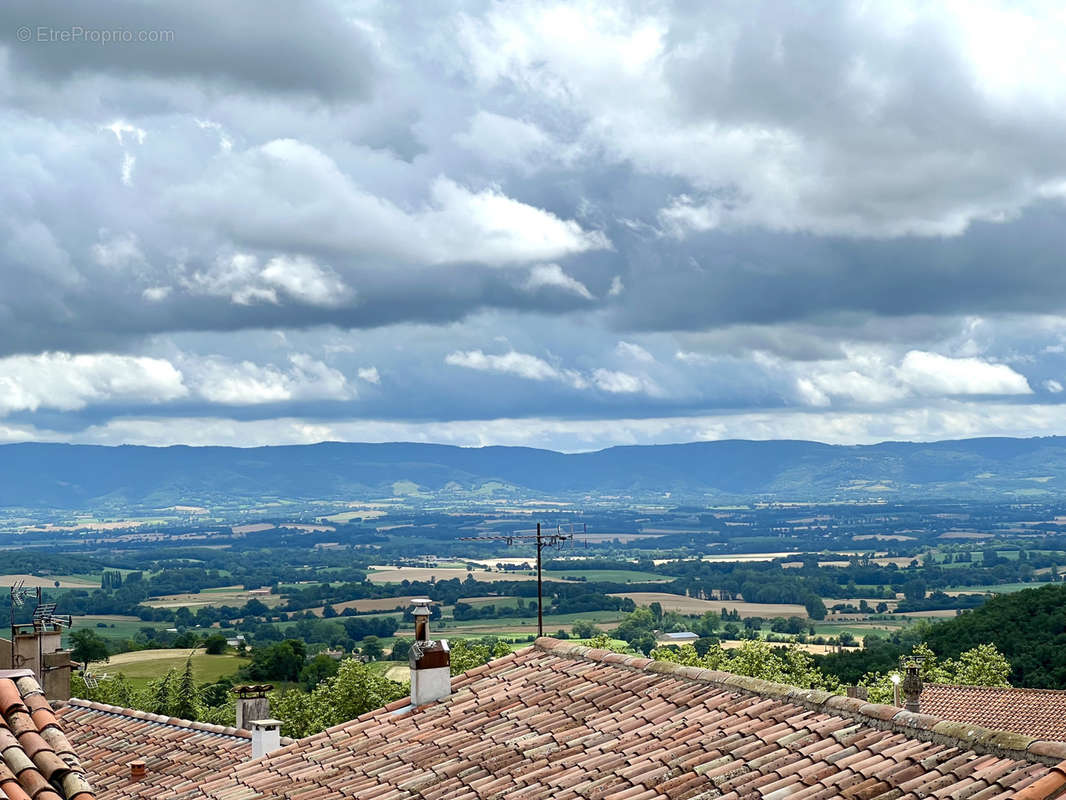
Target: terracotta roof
178,754
36,760
1035,712
567,722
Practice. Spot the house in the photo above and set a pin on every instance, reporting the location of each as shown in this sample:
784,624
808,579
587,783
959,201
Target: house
554,720
682,637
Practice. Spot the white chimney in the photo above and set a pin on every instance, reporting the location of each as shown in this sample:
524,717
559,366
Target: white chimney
431,672
266,736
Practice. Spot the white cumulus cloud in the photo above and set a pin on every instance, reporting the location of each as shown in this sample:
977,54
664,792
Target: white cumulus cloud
553,276
68,382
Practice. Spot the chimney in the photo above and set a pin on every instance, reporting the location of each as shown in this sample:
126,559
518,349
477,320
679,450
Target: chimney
137,770
912,687
431,674
252,703
266,736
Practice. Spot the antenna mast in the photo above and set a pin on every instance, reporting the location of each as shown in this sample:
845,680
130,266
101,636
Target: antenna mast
542,540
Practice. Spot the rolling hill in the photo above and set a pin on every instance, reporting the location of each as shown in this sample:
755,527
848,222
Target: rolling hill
62,475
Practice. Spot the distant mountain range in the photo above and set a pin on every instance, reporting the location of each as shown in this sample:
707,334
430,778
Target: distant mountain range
72,476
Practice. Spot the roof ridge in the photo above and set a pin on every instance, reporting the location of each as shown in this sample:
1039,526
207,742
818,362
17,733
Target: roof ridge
175,722
925,727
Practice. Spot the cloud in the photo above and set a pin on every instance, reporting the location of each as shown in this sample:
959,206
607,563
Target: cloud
530,367
67,382
241,277
305,202
369,374
552,276
504,139
245,383
368,188
621,382
868,377
931,373
1053,386
522,365
635,352
314,49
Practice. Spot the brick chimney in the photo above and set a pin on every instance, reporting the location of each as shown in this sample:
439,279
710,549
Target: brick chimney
431,674
252,703
266,736
138,770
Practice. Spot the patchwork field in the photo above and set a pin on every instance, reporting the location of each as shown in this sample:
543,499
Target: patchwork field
693,605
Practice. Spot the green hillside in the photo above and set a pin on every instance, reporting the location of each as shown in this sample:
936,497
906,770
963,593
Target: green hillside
1029,627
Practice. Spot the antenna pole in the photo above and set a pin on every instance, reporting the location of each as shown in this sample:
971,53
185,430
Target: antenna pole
540,587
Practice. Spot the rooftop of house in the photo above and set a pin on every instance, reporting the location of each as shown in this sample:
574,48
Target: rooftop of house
36,759
568,722
1034,712
177,754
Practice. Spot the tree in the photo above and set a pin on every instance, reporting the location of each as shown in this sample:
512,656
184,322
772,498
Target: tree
656,610
317,670
467,653
354,690
983,665
371,648
215,644
87,646
584,630
158,699
184,701
401,650
815,607
756,659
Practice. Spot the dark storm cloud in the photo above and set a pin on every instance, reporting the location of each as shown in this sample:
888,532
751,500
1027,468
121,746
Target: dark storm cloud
721,279
261,45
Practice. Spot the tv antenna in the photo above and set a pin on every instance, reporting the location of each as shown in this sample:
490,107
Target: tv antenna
542,540
43,620
19,593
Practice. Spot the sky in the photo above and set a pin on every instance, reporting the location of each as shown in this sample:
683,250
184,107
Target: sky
562,225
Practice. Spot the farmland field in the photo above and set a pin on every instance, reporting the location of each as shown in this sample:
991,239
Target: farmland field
224,596
147,665
998,588
607,575
115,626
380,574
368,604
693,605
49,581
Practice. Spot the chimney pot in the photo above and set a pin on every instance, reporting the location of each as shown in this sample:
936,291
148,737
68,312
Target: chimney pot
252,703
912,688
137,770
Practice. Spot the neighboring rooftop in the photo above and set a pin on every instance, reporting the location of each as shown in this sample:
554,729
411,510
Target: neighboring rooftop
36,759
177,754
568,722
1034,712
